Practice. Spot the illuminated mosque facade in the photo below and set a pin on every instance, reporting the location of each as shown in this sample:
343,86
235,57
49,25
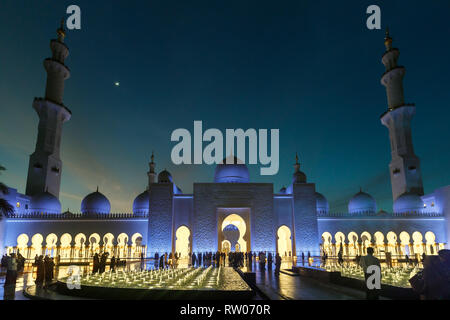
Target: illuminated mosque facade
231,213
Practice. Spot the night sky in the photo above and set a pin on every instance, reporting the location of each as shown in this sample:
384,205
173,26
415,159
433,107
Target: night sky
310,68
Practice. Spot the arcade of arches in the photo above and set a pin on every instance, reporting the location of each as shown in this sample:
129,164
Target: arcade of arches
398,245
80,246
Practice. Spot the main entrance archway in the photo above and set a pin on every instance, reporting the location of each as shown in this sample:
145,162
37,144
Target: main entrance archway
233,222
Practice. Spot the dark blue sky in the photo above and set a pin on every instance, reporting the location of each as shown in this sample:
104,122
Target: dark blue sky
310,68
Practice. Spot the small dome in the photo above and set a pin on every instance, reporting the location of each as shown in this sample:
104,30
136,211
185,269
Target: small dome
95,202
45,202
408,203
283,190
299,177
141,203
237,172
321,203
164,177
382,213
362,203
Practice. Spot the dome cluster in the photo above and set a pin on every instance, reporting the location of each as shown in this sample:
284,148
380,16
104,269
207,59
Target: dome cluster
234,172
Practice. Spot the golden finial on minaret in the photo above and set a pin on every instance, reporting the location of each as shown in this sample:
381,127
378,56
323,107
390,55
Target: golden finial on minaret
152,157
388,40
296,158
61,32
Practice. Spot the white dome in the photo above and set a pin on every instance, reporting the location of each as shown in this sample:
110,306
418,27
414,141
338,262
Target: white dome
95,202
45,202
141,203
231,173
321,203
362,203
408,203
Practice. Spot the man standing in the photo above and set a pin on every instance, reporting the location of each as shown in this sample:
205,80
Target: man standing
365,263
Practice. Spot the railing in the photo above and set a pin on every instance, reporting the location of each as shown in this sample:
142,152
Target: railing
413,214
76,216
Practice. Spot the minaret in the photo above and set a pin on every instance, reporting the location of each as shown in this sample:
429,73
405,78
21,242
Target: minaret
44,171
151,173
298,176
405,165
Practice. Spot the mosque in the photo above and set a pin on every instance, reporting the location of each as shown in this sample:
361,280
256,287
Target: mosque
230,213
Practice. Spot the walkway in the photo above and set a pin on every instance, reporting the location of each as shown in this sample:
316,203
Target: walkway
294,287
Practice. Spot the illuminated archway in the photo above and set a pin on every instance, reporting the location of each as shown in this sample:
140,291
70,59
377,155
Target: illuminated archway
94,243
238,222
80,244
430,238
182,243
22,244
352,243
392,242
51,241
122,242
108,244
284,242
339,239
136,245
405,242
418,242
366,241
379,243
327,245
36,245
66,246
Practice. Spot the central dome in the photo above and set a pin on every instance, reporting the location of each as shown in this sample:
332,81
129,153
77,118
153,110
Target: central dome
237,172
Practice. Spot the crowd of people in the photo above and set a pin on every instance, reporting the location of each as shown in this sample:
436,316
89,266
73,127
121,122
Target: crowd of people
216,259
45,270
100,261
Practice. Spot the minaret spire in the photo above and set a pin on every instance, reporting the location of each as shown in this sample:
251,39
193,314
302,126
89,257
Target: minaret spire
61,32
405,165
296,165
388,40
151,173
45,165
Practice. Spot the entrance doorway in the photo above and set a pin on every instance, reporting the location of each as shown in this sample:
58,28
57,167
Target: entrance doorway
233,230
